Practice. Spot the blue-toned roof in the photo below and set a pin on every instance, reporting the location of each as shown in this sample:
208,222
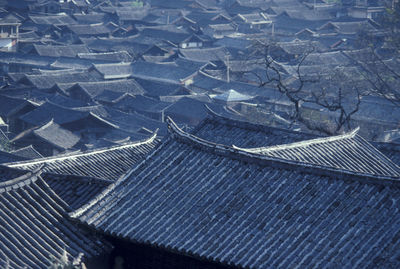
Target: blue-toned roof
169,73
28,152
140,103
349,151
104,163
6,157
49,79
71,50
75,190
234,207
391,150
232,96
34,226
227,131
48,111
119,87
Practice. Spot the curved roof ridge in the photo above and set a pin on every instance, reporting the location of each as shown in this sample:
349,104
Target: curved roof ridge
21,181
103,120
44,126
84,153
223,150
78,212
240,154
245,124
305,143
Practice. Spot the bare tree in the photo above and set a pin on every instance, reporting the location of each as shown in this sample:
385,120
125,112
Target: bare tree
380,58
325,92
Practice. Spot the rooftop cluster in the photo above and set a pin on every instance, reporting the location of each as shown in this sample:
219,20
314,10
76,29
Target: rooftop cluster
199,133
77,75
193,200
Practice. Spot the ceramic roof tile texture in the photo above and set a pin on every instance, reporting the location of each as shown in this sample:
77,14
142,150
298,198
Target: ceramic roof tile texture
391,150
226,131
34,226
107,163
48,80
56,135
72,50
219,203
75,191
28,152
6,157
349,151
297,146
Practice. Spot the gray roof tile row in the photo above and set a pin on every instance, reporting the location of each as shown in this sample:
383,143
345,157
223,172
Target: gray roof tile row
349,151
226,131
106,163
34,226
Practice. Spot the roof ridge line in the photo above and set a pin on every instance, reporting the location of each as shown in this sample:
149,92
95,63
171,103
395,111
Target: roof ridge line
21,181
91,113
78,212
383,155
241,124
50,122
304,143
84,153
239,154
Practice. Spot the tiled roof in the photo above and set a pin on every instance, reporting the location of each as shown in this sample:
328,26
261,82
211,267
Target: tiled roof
53,20
6,157
161,72
28,152
349,151
90,18
92,29
64,101
6,173
75,191
140,103
232,96
156,89
116,56
49,132
120,86
227,131
48,111
34,226
107,163
71,50
60,115
49,79
114,70
56,135
218,203
391,150
204,54
10,105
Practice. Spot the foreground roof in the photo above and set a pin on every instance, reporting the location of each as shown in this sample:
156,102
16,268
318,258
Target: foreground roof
34,226
348,151
240,208
105,163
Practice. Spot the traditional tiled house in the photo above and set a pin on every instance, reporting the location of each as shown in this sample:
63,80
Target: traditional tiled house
49,138
103,163
35,227
226,206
